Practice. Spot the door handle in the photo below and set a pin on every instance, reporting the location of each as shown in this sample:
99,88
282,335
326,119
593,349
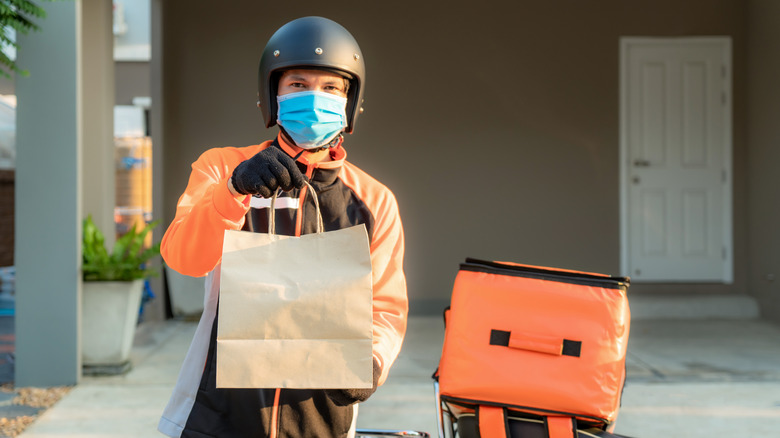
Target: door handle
641,163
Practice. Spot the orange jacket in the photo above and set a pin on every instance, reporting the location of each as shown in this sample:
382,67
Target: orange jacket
192,245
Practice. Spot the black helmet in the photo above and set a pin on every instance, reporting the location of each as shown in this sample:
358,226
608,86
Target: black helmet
311,42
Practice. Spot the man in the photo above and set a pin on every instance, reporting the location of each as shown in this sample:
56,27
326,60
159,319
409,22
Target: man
311,80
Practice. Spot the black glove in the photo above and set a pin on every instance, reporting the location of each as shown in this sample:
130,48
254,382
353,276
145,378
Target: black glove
346,397
268,170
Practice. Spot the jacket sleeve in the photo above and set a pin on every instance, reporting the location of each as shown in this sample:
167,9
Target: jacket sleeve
192,244
390,297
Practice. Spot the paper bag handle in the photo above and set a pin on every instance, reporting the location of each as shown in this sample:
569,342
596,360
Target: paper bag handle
272,216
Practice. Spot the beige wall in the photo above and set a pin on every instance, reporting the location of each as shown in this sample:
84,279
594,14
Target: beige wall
6,86
495,123
97,116
764,155
133,79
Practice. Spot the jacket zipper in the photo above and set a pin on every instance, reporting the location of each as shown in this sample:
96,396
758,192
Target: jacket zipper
301,205
275,411
299,216
275,417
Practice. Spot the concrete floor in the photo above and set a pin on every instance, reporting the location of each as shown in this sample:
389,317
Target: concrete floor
690,378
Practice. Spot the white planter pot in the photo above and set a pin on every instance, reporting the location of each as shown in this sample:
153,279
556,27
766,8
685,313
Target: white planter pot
186,293
108,321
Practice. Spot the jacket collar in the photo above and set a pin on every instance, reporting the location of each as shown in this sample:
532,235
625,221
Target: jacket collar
324,172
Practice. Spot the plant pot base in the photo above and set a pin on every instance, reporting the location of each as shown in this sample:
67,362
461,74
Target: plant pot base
108,322
186,295
106,370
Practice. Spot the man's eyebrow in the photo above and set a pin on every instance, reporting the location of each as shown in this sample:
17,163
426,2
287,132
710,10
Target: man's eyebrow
295,78
335,81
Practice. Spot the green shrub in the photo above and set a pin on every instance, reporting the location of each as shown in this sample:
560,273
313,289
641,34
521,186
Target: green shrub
128,261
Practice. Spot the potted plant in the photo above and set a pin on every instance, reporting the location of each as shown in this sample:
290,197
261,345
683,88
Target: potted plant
111,296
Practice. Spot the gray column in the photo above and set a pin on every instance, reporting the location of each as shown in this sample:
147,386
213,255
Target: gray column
158,164
48,203
64,170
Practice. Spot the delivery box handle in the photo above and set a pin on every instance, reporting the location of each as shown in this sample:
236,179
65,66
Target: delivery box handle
272,215
539,343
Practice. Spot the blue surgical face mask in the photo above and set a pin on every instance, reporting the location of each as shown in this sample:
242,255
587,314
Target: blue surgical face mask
312,118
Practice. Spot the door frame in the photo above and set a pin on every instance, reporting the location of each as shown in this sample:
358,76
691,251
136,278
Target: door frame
626,43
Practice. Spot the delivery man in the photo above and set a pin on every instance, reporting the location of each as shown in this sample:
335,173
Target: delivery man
311,81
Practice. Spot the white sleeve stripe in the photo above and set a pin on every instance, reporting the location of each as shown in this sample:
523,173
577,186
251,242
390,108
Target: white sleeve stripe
285,202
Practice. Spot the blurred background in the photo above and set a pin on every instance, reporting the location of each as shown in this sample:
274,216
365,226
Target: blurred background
628,137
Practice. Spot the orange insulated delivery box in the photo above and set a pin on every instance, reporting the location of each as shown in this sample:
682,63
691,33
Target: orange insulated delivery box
542,342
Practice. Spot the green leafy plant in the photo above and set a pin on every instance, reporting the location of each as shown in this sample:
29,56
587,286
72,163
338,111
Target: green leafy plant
128,261
16,15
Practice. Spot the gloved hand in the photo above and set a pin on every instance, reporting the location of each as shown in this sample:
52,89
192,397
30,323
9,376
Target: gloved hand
346,397
268,170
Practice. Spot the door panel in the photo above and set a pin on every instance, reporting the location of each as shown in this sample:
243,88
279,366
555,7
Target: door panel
675,158
652,145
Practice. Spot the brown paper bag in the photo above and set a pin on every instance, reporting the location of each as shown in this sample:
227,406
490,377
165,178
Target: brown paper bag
295,312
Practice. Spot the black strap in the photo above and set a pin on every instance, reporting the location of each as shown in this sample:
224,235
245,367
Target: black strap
541,273
501,338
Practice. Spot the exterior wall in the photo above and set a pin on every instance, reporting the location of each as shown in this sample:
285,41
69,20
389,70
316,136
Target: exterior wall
132,80
496,126
763,140
6,86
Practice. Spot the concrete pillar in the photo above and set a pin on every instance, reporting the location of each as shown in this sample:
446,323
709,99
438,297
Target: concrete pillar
97,92
48,202
64,116
157,132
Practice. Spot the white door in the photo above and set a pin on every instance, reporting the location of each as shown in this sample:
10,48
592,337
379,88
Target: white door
676,159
